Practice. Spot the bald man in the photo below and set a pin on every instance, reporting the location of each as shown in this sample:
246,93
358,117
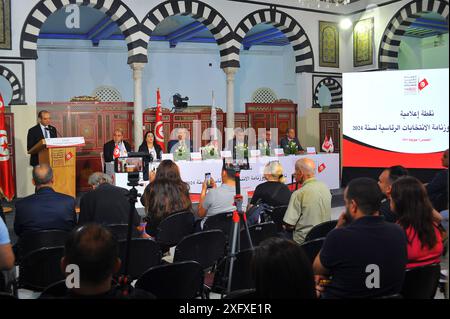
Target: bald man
46,209
308,206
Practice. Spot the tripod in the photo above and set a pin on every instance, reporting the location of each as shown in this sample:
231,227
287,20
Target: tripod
235,231
124,279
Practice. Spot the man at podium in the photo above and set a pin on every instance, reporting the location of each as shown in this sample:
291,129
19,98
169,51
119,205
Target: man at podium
38,132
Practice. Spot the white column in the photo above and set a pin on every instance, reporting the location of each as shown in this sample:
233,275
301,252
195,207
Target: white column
230,72
306,125
138,110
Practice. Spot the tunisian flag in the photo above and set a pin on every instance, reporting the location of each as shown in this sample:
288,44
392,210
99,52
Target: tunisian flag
6,178
159,132
327,145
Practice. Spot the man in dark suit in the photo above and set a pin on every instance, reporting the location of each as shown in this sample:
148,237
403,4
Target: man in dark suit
290,137
46,209
106,204
42,130
108,148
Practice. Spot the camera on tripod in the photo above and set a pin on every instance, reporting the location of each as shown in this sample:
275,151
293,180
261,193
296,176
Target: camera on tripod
134,164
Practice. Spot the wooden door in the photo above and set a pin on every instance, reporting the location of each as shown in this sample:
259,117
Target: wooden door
330,123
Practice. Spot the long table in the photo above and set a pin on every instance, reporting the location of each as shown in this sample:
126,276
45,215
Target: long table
193,172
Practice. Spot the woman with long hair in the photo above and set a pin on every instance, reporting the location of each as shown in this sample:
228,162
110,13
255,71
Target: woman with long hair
149,146
415,215
165,195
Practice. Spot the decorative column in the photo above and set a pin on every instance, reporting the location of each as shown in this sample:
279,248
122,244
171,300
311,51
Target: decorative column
230,72
138,111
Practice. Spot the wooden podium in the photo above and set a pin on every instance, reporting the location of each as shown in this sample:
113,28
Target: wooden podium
60,154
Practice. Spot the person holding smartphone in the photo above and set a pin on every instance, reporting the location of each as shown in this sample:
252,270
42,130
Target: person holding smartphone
215,200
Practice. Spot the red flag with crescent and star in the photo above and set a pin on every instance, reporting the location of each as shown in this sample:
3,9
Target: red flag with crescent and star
6,178
159,132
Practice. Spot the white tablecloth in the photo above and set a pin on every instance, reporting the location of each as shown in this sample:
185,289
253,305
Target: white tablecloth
193,172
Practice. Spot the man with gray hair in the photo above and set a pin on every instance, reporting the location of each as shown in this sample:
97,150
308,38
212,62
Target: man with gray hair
105,204
310,205
46,209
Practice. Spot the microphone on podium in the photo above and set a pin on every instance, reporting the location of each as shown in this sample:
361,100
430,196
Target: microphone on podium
52,128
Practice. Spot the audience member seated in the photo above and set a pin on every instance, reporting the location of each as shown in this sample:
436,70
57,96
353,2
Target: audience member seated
444,221
310,205
46,209
165,195
220,199
6,252
273,192
410,202
117,141
2,215
181,141
385,180
437,189
281,270
363,244
290,138
106,204
95,251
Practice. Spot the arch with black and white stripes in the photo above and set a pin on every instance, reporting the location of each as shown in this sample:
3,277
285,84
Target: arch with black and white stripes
17,92
304,57
390,42
207,15
115,9
335,90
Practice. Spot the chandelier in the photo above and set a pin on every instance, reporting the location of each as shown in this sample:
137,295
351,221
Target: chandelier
323,3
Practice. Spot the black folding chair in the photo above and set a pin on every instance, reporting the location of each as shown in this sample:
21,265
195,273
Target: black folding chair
312,248
174,228
145,253
59,290
321,230
41,268
277,216
241,294
258,233
40,239
119,231
55,290
421,282
205,247
222,221
6,296
183,280
242,273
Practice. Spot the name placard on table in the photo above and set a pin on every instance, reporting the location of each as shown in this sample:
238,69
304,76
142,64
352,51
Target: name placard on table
64,142
167,156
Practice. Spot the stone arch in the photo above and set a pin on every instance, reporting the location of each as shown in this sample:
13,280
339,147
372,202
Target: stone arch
207,15
304,57
115,9
391,39
17,92
335,90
